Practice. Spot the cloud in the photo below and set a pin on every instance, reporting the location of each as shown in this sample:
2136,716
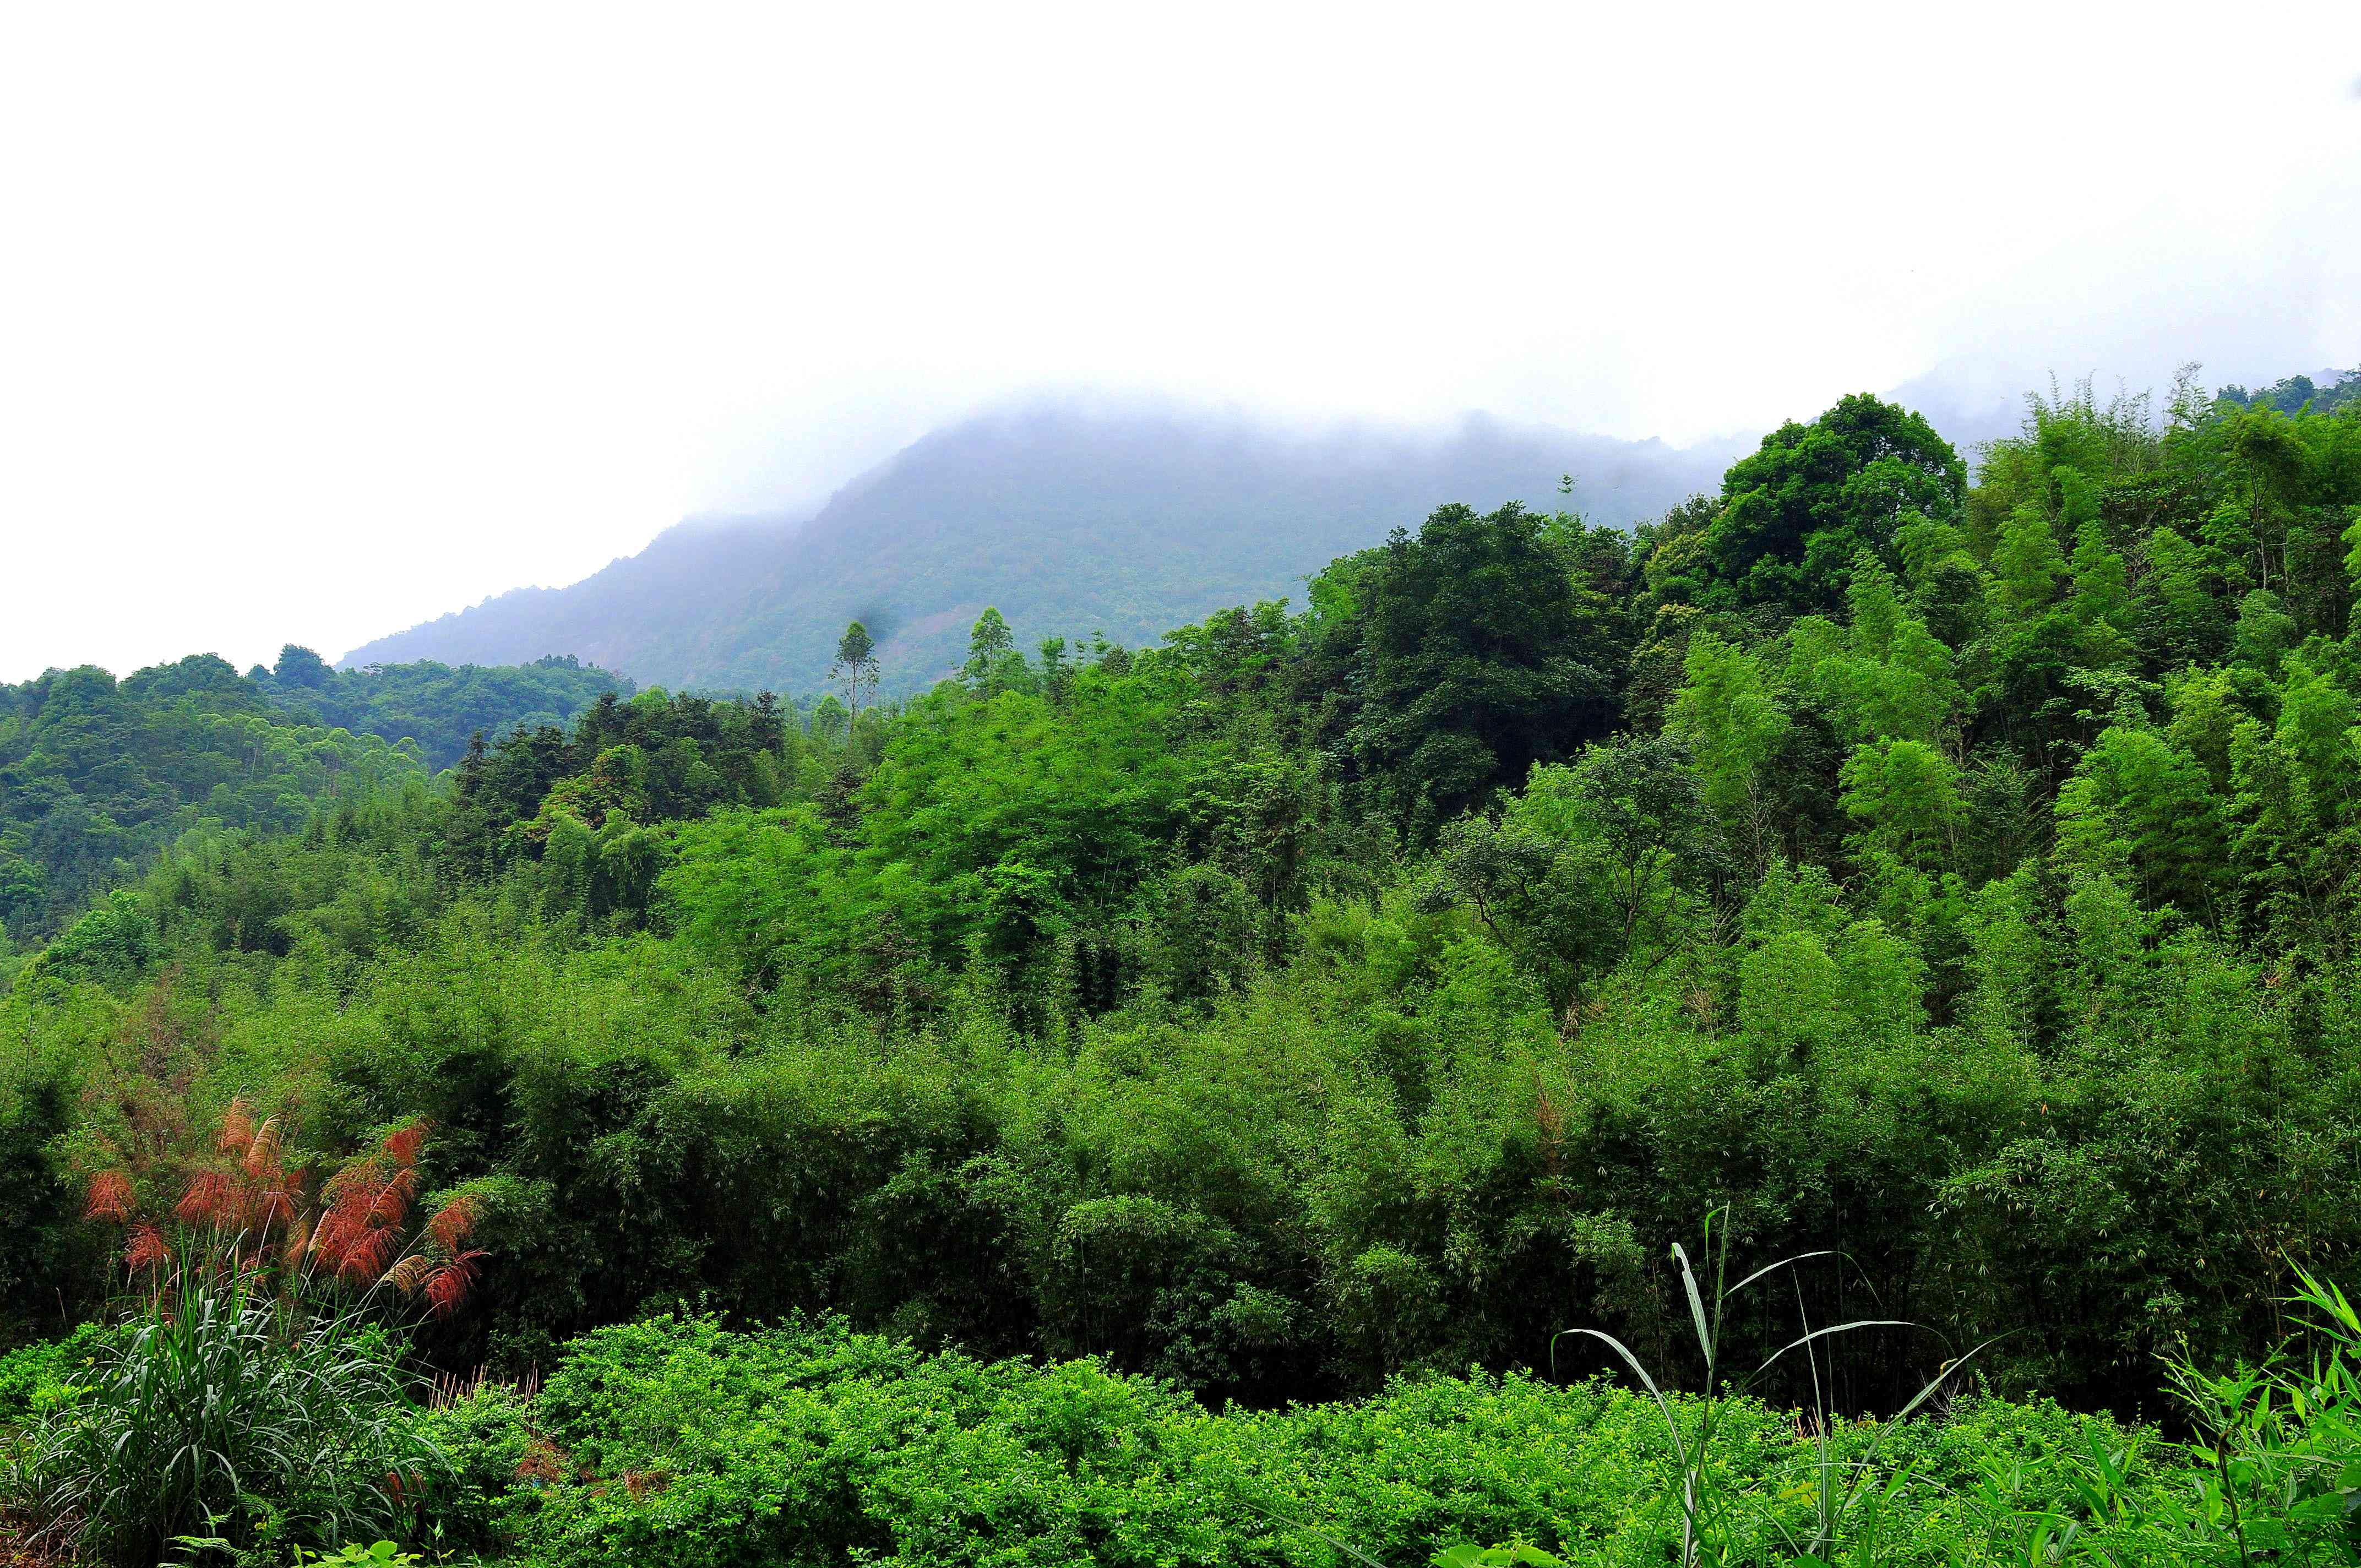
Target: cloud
317,323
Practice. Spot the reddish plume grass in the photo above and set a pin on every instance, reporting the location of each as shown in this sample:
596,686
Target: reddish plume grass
368,1256
244,1193
391,1204
403,1143
369,1200
456,1222
274,1202
211,1200
110,1197
145,1249
449,1286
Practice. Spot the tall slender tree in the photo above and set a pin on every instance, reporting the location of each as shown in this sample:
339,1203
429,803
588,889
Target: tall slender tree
855,669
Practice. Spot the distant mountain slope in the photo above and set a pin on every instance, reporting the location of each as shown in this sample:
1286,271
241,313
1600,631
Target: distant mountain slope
1069,523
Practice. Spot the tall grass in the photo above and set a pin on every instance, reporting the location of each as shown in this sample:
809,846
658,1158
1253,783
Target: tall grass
1839,1486
250,1397
218,1408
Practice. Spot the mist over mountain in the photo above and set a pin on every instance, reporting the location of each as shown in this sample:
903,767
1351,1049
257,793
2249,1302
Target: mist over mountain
1072,521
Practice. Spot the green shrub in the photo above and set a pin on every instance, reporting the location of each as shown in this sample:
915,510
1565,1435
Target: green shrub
682,1442
48,1375
486,1441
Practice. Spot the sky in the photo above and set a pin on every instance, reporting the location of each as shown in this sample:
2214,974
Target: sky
316,321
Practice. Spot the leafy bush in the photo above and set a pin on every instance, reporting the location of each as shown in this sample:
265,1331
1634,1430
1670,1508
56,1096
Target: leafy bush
42,1376
679,1442
485,1433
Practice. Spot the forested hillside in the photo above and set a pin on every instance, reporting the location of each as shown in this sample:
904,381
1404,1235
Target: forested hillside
1168,1102
1071,523
98,776
440,707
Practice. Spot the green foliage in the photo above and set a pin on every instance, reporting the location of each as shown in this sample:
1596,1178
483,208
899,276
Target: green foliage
2297,393
377,1554
98,777
679,1440
676,1441
1468,657
42,1378
1799,512
1733,722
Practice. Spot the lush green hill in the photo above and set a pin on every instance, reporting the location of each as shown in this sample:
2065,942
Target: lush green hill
97,776
1072,525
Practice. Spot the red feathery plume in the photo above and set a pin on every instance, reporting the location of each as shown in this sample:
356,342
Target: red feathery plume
274,1203
263,1149
145,1248
449,1286
355,1186
456,1222
110,1196
330,1238
403,1143
236,1128
391,1204
366,1255
211,1199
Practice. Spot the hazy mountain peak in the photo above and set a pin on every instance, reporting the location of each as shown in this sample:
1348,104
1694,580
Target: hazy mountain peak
1073,516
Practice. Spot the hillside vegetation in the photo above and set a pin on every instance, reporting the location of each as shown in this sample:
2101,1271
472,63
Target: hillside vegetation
2294,394
1071,523
440,707
98,776
1168,1103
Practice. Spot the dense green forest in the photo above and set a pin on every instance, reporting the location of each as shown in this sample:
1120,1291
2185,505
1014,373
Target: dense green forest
440,707
1166,1105
98,776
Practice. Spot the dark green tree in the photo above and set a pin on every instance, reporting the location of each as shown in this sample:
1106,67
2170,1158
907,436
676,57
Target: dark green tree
1796,512
1469,668
299,666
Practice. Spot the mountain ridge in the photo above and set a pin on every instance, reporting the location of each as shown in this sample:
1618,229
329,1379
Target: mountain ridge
1072,521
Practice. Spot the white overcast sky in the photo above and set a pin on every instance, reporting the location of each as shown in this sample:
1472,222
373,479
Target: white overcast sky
317,321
